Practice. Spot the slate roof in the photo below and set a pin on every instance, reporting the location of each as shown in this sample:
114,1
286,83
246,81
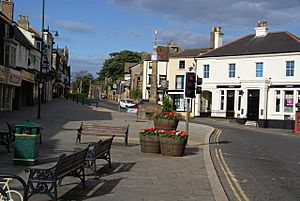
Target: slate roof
191,53
163,54
273,42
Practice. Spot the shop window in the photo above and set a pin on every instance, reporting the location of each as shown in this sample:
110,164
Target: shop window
222,99
288,101
277,99
180,103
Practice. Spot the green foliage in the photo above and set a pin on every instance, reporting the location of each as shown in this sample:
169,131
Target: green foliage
113,67
78,95
135,93
167,105
81,81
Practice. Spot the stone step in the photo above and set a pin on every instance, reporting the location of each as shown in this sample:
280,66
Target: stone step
251,123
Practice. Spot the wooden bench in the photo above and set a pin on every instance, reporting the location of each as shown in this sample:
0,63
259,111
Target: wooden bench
99,130
7,137
45,180
99,150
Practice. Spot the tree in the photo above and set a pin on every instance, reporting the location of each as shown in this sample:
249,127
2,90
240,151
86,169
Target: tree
81,81
113,67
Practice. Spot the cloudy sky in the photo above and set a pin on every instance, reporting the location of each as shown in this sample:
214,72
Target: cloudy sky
92,29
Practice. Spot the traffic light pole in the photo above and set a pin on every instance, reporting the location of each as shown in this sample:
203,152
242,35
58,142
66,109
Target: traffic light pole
187,117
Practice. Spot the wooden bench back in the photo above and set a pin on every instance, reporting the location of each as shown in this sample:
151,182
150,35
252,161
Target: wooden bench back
69,163
103,146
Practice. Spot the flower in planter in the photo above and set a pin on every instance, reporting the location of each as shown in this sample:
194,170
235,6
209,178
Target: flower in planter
173,134
149,131
167,115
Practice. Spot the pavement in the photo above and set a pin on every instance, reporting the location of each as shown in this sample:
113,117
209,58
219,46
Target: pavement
134,175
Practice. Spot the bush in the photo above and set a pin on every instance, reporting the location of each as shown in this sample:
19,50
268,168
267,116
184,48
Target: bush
135,93
167,105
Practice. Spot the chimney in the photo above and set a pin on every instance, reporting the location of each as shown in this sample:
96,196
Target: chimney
216,37
261,29
7,8
23,22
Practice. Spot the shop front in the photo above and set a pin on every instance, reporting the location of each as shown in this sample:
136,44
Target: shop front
10,79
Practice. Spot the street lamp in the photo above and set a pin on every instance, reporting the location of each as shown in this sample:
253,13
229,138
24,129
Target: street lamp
40,86
41,63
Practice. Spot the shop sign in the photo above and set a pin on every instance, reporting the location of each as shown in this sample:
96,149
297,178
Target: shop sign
14,77
27,76
2,74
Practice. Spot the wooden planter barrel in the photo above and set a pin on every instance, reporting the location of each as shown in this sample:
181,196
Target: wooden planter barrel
172,147
166,124
149,144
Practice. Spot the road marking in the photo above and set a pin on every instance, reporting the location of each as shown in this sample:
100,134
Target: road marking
217,136
232,181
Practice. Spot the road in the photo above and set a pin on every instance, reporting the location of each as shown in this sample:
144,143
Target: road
256,164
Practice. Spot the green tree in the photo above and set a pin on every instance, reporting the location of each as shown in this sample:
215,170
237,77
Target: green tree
167,105
135,93
113,67
81,81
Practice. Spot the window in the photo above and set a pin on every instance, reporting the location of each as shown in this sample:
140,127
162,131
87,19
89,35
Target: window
231,70
222,99
288,101
259,69
179,81
162,78
181,64
150,65
206,71
149,79
289,68
277,101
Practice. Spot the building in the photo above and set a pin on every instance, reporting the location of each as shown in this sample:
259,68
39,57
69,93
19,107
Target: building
253,78
163,53
10,77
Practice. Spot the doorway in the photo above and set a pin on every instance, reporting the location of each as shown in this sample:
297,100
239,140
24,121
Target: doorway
253,105
230,104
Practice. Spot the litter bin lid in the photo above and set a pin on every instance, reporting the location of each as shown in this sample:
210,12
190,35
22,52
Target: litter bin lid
27,124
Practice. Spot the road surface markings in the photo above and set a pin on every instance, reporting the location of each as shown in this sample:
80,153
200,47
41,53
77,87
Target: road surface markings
232,181
217,136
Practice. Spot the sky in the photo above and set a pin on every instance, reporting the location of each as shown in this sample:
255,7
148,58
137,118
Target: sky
92,29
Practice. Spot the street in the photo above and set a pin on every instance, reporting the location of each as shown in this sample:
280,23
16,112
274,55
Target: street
254,163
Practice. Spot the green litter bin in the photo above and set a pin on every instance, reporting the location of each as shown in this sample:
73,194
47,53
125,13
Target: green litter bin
28,138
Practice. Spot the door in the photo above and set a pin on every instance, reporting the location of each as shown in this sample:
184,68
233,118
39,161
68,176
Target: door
230,104
253,105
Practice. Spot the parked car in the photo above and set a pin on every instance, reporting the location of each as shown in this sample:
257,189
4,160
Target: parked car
126,102
134,108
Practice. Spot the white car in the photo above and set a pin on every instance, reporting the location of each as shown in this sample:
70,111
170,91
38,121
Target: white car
125,103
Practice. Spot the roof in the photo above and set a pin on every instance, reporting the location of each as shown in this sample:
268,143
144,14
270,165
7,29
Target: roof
127,66
274,42
163,53
191,53
19,36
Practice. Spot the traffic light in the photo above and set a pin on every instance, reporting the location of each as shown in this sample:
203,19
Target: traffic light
199,83
190,85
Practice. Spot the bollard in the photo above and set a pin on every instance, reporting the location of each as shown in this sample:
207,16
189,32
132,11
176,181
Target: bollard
77,100
82,101
97,104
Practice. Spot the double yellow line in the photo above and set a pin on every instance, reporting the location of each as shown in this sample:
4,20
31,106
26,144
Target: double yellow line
232,181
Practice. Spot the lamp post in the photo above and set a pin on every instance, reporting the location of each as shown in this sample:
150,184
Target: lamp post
41,63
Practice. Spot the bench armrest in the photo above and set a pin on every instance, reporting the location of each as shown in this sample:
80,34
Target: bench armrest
43,174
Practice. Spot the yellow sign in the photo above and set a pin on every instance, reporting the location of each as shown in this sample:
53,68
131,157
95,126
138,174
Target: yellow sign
27,76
